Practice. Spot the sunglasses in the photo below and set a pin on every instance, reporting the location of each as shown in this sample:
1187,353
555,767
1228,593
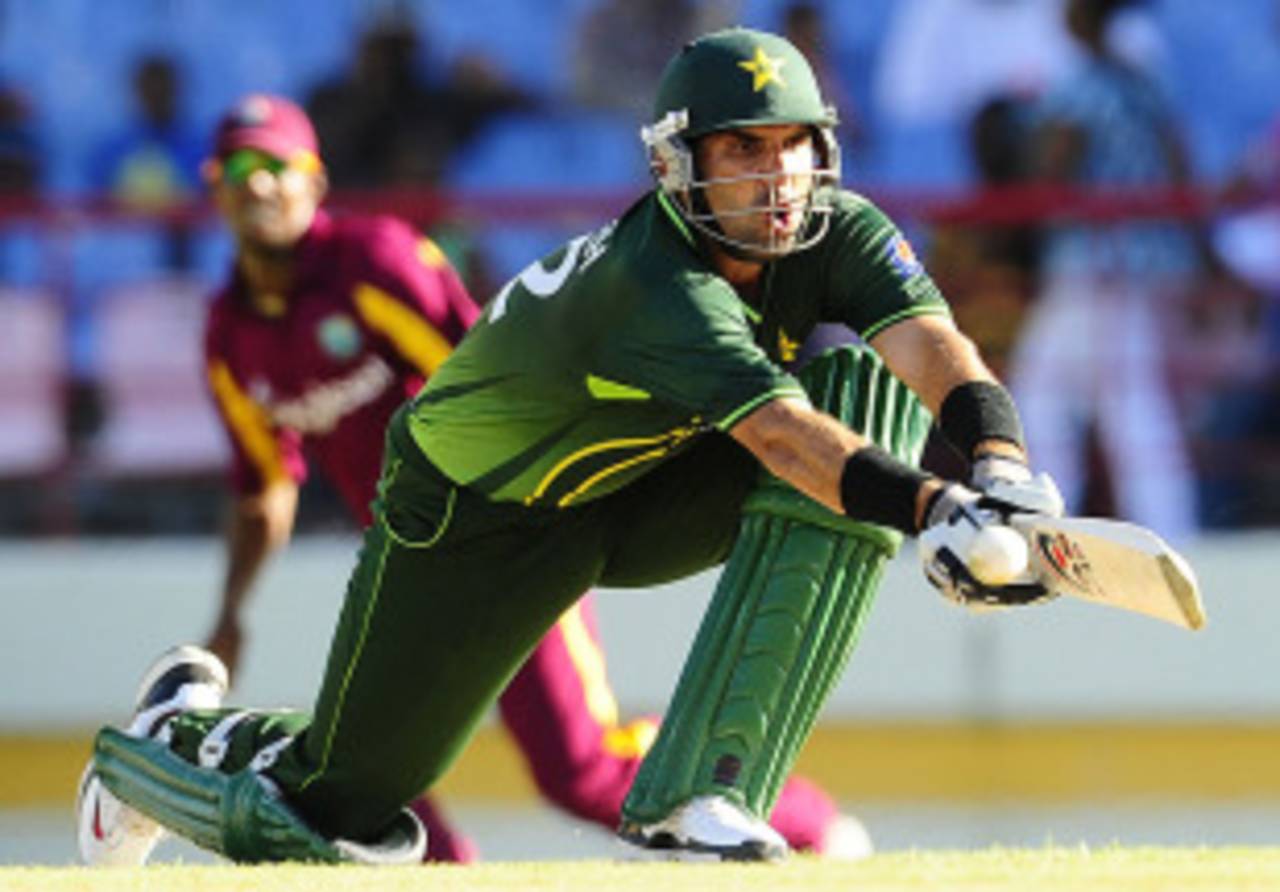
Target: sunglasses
244,163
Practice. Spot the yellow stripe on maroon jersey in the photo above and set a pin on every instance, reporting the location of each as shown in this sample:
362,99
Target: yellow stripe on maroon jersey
249,424
588,660
415,338
631,741
430,254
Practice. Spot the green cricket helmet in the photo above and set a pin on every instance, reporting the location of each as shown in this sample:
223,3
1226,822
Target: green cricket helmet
740,78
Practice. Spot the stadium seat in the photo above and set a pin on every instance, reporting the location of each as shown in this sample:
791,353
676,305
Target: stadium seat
106,255
150,361
914,156
536,152
519,38
562,155
32,441
24,255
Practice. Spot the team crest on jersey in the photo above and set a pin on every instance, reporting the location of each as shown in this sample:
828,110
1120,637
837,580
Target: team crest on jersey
339,336
787,347
903,257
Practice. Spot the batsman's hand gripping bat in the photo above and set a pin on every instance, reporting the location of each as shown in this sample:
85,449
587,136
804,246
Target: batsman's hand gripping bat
1113,563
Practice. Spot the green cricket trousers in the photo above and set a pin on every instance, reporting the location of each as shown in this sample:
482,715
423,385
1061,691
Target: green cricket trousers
450,594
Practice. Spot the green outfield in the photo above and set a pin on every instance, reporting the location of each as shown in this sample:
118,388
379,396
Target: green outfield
997,870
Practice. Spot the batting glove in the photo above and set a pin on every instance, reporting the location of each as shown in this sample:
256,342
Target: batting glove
957,515
1009,487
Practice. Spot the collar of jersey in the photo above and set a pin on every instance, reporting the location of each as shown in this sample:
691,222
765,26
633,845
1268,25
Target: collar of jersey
674,216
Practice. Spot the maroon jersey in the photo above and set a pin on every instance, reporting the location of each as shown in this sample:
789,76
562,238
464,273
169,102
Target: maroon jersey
315,374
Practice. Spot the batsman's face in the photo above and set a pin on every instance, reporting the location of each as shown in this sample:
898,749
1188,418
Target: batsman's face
267,201
758,181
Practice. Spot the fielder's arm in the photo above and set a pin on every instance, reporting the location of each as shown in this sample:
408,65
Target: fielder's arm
260,524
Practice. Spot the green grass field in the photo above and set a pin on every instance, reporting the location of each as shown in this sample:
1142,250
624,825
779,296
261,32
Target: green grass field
993,870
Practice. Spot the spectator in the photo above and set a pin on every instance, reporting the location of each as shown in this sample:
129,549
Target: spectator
942,58
623,46
20,176
803,24
1236,415
1096,322
154,162
386,124
990,270
20,169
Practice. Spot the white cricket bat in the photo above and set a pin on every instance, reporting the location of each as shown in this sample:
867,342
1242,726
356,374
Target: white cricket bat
1113,563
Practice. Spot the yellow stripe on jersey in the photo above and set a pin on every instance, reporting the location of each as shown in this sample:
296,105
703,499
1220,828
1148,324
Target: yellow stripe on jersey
588,660
430,254
668,440
416,339
567,498
249,424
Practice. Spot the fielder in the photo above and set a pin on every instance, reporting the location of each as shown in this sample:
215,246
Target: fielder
327,324
620,416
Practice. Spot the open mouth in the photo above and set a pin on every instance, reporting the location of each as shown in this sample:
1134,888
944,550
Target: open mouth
784,220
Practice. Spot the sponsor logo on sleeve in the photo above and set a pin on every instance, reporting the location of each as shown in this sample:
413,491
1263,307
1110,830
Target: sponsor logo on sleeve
903,257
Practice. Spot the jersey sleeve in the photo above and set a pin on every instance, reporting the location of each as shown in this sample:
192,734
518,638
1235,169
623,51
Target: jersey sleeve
691,345
262,453
412,298
874,277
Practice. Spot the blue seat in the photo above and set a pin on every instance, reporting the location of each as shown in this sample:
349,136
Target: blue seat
108,255
530,152
24,261
563,154
529,42
933,156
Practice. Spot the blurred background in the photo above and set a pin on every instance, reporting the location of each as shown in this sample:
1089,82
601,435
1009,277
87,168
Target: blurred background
1129,292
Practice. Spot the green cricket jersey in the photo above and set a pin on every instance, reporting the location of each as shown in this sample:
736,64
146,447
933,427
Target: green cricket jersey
611,353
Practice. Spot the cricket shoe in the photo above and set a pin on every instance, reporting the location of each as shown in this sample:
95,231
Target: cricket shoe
110,833
709,825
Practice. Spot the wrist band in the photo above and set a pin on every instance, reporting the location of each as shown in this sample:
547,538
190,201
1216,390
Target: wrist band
977,411
877,488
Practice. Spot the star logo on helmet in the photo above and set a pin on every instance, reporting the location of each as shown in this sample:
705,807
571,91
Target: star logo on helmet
764,70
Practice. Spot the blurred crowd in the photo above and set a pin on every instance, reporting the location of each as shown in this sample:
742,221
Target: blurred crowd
1141,337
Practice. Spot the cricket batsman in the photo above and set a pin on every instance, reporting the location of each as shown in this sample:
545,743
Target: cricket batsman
620,415
327,324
